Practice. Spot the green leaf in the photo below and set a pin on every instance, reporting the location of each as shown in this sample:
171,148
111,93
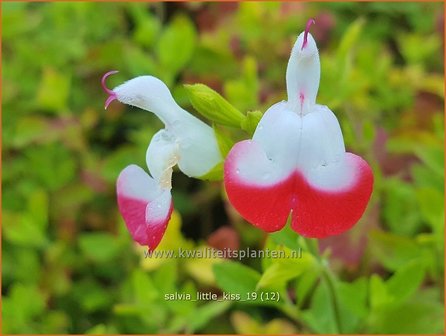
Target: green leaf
204,314
433,157
100,329
54,90
379,296
184,307
18,263
28,130
353,304
117,161
201,269
400,201
144,290
306,282
147,26
99,247
22,230
392,250
38,208
320,316
431,203
409,45
52,165
165,277
91,297
424,314
283,270
236,278
350,38
20,306
213,106
245,324
139,62
243,91
176,44
405,281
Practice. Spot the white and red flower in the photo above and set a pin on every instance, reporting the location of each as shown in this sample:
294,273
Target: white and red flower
296,161
144,200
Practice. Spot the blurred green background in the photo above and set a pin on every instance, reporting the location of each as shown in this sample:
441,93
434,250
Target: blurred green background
68,263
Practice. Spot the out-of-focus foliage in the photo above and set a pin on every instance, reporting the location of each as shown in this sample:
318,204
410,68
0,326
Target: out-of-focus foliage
68,263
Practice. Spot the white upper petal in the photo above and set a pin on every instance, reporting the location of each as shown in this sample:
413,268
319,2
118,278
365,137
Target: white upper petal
278,134
286,142
197,151
303,74
151,94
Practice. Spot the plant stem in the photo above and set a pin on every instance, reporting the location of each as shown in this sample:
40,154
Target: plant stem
289,310
312,246
327,277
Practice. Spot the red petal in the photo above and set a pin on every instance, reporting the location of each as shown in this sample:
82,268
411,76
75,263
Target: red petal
145,207
318,213
265,207
147,233
315,213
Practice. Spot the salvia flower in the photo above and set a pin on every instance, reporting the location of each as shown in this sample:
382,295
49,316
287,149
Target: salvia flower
145,200
296,161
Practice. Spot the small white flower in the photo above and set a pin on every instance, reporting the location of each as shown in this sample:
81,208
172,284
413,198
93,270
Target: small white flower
145,201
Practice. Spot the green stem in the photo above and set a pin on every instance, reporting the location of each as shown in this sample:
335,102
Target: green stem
312,246
289,310
326,275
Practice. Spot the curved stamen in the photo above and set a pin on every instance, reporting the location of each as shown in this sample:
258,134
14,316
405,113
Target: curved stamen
307,29
112,95
108,74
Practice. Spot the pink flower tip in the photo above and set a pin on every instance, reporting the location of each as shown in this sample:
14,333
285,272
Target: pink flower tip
307,30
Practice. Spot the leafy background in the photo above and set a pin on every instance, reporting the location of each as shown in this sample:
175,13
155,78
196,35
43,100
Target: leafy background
68,263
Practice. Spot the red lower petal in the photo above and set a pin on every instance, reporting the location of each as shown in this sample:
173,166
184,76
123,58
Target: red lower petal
315,213
318,213
265,207
147,233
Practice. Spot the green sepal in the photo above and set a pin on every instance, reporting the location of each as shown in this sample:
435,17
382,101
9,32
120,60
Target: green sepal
213,106
250,121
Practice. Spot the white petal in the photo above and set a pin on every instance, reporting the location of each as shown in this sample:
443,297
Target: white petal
151,94
192,145
285,142
248,163
145,207
278,134
162,154
134,182
321,141
159,209
303,74
198,150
